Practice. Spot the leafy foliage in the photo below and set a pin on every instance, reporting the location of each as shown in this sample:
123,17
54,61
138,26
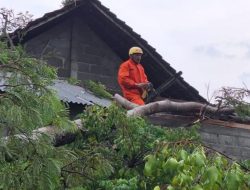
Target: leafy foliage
9,21
194,170
26,104
98,89
114,152
237,98
73,81
32,164
133,154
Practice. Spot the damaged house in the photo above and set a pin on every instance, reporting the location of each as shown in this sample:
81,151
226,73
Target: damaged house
86,41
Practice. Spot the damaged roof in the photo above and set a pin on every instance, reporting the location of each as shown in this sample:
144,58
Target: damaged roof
75,94
70,93
120,37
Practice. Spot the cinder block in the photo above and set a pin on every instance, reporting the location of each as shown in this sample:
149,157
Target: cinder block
245,153
225,130
83,67
209,137
231,151
228,140
244,142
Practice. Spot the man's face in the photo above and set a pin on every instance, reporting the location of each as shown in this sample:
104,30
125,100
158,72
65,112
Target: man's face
136,57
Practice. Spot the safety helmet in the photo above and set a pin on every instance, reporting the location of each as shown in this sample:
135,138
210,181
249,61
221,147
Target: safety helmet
134,50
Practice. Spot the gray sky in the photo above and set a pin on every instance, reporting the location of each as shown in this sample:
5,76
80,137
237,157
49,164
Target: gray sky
208,40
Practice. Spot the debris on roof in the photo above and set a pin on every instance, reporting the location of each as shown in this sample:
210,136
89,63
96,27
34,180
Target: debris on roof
76,94
72,94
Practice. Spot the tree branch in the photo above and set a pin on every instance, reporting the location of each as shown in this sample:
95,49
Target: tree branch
168,105
124,102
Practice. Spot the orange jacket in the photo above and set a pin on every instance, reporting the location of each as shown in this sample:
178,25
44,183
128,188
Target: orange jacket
130,73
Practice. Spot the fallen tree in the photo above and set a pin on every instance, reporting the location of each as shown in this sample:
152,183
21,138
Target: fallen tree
59,137
124,102
220,112
110,155
169,106
65,137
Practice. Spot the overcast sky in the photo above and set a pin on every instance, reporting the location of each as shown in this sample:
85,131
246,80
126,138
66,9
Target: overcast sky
208,40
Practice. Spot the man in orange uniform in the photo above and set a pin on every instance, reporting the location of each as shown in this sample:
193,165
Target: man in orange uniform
132,78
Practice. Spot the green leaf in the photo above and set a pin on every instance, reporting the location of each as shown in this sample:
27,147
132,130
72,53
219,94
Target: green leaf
212,178
150,165
197,187
171,165
182,155
157,187
232,181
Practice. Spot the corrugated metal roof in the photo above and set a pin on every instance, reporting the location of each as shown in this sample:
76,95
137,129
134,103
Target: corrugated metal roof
72,94
76,94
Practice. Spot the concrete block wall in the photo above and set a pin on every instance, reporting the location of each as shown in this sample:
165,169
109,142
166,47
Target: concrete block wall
231,139
73,48
234,142
92,58
53,45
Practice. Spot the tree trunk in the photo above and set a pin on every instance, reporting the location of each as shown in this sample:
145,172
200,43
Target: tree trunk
65,137
170,106
59,136
124,102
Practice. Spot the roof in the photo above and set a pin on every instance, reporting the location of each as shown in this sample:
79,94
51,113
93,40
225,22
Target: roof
76,94
104,23
71,93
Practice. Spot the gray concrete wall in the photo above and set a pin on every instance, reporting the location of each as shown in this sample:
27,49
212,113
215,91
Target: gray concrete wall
73,48
231,139
234,142
53,46
92,58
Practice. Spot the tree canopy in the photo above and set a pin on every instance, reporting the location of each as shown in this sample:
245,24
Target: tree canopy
114,152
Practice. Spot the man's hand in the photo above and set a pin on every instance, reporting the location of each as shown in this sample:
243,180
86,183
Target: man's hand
144,86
